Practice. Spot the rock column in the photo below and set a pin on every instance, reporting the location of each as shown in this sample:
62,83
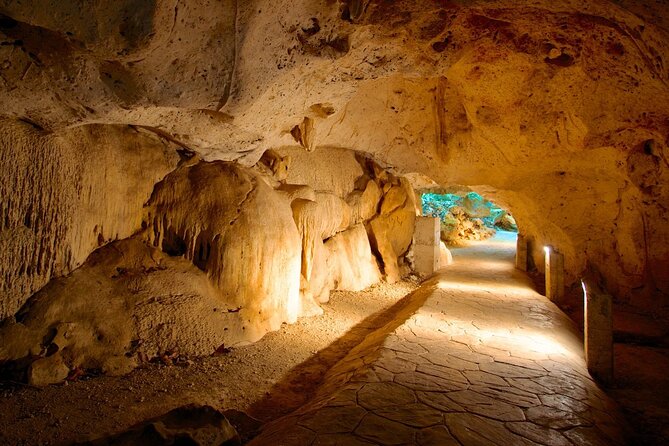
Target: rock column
598,328
426,245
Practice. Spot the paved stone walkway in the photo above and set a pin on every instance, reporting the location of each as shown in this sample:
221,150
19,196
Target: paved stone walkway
476,358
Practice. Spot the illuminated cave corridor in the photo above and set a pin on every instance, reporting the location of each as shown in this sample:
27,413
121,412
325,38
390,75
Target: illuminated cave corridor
477,358
465,216
227,222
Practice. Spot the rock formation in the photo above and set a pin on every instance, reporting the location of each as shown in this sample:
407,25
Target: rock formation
148,120
221,255
191,424
65,195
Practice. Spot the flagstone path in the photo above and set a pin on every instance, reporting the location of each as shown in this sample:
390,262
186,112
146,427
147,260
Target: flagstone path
476,358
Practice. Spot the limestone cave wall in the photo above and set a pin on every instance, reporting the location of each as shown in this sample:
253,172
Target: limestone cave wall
260,146
152,252
556,109
65,194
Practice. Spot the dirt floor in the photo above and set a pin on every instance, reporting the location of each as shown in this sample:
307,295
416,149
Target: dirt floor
265,380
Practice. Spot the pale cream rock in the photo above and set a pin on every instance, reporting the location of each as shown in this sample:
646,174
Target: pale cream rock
240,232
426,245
350,262
391,231
65,195
445,256
364,204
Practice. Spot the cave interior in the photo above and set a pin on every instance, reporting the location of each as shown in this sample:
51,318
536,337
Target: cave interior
334,222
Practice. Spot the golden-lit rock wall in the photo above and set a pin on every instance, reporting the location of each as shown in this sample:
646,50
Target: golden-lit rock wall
64,195
558,110
238,230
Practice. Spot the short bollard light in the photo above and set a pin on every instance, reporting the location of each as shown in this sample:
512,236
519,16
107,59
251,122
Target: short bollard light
554,272
598,331
521,252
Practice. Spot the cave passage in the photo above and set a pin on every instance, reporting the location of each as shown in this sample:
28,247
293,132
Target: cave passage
466,216
272,206
479,358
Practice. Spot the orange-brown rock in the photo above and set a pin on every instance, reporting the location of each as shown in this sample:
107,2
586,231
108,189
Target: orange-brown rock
64,195
556,110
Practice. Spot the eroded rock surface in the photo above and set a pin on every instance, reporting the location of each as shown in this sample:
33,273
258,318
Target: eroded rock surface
558,111
65,195
241,233
192,424
220,258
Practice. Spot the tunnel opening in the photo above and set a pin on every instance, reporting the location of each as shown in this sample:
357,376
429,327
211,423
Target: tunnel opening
466,216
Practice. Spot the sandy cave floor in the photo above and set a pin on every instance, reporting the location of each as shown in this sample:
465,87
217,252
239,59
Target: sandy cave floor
266,380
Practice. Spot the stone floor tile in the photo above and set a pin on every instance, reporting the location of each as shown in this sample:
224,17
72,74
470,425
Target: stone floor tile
562,387
473,430
365,375
403,345
511,395
379,395
484,405
510,371
385,432
428,333
537,433
448,373
529,385
422,381
416,359
395,365
558,366
439,401
382,374
444,347
415,415
477,377
469,337
476,357
333,420
575,380
436,436
563,402
449,360
340,440
345,397
522,362
587,435
555,418
528,354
